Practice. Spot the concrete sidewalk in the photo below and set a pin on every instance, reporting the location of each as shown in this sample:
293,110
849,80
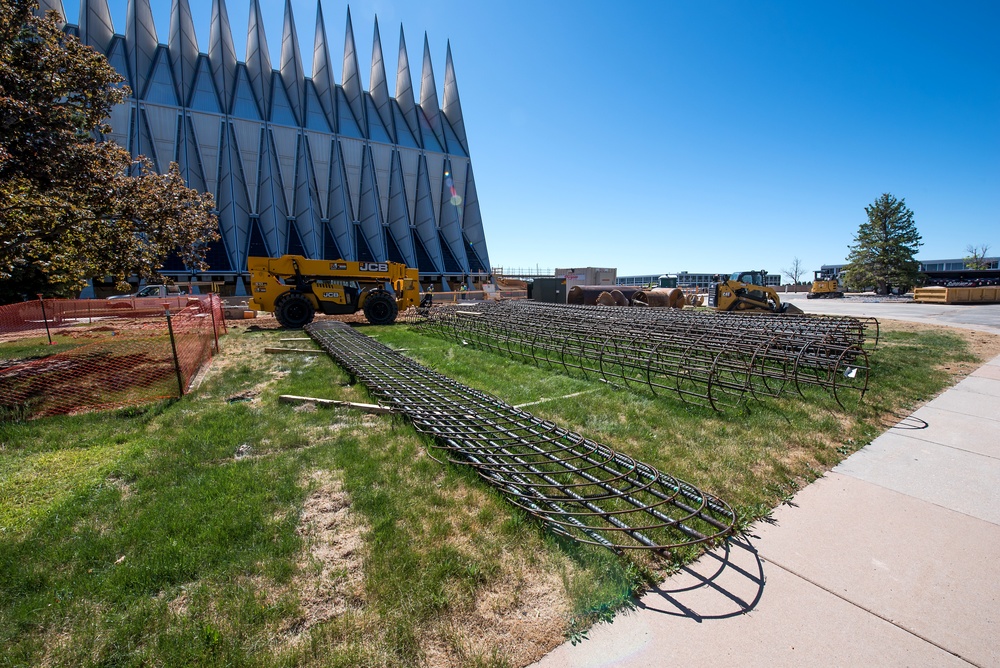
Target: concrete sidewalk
891,559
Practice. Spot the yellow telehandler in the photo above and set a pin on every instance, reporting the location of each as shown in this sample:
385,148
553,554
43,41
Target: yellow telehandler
295,288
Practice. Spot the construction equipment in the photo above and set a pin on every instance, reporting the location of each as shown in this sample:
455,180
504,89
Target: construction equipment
294,288
824,288
746,291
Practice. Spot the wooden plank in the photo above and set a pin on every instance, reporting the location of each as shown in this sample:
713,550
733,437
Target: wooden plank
368,408
307,351
544,399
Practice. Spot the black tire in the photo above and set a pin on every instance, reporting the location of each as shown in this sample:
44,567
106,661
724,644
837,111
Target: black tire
294,311
380,308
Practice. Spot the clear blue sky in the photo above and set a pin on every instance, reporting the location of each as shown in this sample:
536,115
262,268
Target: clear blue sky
696,135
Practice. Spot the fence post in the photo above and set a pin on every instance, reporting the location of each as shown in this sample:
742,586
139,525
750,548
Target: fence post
45,318
211,309
173,346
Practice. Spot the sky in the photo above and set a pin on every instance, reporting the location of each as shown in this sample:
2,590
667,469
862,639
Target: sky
695,135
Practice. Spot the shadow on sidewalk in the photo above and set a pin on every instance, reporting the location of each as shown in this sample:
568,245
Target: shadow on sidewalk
725,582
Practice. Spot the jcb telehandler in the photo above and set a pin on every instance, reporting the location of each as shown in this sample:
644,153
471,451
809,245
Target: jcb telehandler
294,288
745,291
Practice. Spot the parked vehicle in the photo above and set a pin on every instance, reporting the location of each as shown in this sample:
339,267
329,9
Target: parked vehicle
148,292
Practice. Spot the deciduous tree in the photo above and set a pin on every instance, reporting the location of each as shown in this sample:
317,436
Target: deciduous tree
73,206
795,272
976,258
884,248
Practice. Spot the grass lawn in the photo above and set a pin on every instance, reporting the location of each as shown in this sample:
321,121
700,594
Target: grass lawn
226,528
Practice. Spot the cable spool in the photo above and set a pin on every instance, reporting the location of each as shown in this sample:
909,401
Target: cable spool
659,298
586,295
605,299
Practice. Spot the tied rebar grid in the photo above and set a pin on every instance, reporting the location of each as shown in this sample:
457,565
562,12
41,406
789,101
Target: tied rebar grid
703,358
579,488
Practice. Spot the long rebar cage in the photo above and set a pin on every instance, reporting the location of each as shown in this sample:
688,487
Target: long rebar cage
705,358
577,487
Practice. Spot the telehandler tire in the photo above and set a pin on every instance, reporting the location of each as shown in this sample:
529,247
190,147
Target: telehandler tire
380,308
293,311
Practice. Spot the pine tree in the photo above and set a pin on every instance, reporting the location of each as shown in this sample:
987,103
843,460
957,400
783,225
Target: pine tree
884,248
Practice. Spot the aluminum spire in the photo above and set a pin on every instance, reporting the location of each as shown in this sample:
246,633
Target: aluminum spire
352,74
96,28
291,63
258,59
183,47
222,54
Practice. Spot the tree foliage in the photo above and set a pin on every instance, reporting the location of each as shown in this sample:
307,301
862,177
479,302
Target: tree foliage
73,206
884,248
976,258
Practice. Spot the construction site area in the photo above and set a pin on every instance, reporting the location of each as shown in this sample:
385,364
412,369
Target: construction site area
477,483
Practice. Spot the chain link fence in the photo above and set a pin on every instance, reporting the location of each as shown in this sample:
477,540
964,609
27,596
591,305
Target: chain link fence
60,356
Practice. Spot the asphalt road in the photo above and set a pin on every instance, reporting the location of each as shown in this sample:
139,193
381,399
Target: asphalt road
981,317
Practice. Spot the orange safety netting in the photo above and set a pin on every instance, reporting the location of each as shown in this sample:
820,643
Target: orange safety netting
105,354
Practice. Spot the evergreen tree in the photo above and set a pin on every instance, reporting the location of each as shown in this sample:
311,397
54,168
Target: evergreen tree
884,248
71,206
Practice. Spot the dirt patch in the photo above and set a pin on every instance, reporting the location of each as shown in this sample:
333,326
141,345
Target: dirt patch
122,485
68,644
331,577
237,352
178,606
517,619
983,345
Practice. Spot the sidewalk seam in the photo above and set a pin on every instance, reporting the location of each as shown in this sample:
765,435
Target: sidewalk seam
945,410
943,445
854,476
869,611
948,410
975,392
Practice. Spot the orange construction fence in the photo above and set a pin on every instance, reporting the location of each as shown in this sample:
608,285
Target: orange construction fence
61,356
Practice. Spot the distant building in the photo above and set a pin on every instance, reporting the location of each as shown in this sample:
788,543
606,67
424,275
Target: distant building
587,276
828,271
689,280
297,164
954,269
939,266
